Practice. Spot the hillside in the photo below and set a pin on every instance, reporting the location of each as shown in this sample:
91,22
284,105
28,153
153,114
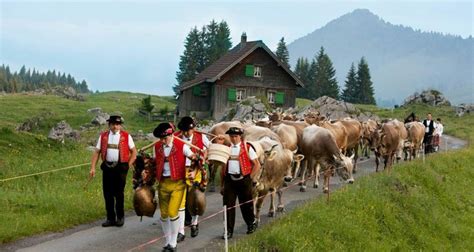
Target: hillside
43,203
401,60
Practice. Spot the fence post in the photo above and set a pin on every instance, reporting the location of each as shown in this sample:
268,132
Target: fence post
226,245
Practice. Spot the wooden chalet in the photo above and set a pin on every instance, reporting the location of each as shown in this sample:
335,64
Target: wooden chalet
248,69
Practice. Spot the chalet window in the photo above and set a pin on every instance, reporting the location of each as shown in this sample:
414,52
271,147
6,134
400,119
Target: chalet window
271,97
257,71
199,91
240,94
231,94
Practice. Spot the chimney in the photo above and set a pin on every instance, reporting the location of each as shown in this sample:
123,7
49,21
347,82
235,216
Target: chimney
243,40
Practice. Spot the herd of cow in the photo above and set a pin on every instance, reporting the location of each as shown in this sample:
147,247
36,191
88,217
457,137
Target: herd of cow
289,148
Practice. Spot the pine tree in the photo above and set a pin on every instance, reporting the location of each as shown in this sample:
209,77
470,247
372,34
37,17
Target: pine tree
223,39
302,71
282,52
210,42
364,83
324,77
189,64
349,94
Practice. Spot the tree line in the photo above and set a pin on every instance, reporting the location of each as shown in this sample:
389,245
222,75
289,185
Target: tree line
202,48
27,80
319,79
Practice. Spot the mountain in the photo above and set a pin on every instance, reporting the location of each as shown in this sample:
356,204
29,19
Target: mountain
401,60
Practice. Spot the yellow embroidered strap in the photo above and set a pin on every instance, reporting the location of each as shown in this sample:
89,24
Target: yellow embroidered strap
234,157
112,146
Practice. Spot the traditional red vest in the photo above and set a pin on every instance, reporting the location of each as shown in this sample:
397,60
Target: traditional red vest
124,151
244,161
176,159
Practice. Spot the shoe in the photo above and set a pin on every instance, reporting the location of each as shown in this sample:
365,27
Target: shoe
180,237
120,222
251,228
194,230
168,248
108,223
229,236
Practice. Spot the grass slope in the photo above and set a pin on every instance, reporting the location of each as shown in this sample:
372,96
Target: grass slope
55,201
419,206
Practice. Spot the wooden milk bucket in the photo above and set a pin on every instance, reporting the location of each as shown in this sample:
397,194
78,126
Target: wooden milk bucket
218,152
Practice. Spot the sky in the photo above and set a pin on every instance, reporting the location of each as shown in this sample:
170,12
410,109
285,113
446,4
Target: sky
135,46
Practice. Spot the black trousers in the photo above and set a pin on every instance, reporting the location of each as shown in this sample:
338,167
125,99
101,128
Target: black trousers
113,185
241,189
428,141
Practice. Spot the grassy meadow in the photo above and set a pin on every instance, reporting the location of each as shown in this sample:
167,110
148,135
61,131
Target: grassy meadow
418,206
55,201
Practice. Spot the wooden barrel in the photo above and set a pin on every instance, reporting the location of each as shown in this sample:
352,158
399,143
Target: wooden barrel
218,152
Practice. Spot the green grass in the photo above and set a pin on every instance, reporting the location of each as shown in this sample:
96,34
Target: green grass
55,201
418,206
301,102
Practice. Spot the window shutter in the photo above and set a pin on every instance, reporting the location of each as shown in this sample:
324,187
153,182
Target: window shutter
280,98
231,94
197,90
249,70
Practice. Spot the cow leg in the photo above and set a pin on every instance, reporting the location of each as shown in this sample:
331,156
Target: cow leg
303,182
316,178
281,207
258,204
271,210
212,182
377,161
326,180
356,156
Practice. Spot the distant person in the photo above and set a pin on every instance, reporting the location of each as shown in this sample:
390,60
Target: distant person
117,150
438,133
239,178
429,130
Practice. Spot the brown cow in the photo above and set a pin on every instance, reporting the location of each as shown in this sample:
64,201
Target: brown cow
339,132
368,127
384,142
354,132
322,153
416,133
275,165
288,136
403,136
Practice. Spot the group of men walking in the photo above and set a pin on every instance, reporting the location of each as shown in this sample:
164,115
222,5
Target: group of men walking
174,153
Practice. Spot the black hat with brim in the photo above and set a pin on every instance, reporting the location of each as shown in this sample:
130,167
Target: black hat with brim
163,130
234,131
115,119
186,123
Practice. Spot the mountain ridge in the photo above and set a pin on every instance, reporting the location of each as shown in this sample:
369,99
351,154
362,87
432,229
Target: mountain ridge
402,60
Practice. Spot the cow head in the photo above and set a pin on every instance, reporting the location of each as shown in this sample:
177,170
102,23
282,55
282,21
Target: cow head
344,167
262,123
374,139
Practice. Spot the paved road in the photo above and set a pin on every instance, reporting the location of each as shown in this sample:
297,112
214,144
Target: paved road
145,235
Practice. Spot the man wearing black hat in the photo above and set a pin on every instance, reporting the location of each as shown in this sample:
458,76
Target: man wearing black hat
170,156
187,132
118,153
239,177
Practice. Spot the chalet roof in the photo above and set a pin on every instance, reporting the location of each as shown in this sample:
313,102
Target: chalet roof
232,58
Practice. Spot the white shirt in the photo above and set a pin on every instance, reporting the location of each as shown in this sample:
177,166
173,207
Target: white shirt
205,141
166,150
234,165
113,154
427,129
439,129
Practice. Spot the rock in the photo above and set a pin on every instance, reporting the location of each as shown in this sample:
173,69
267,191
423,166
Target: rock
430,97
61,131
463,109
33,123
248,109
95,110
100,119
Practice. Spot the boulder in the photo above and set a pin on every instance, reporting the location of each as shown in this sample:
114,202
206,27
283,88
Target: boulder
61,131
333,109
430,97
248,109
464,108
